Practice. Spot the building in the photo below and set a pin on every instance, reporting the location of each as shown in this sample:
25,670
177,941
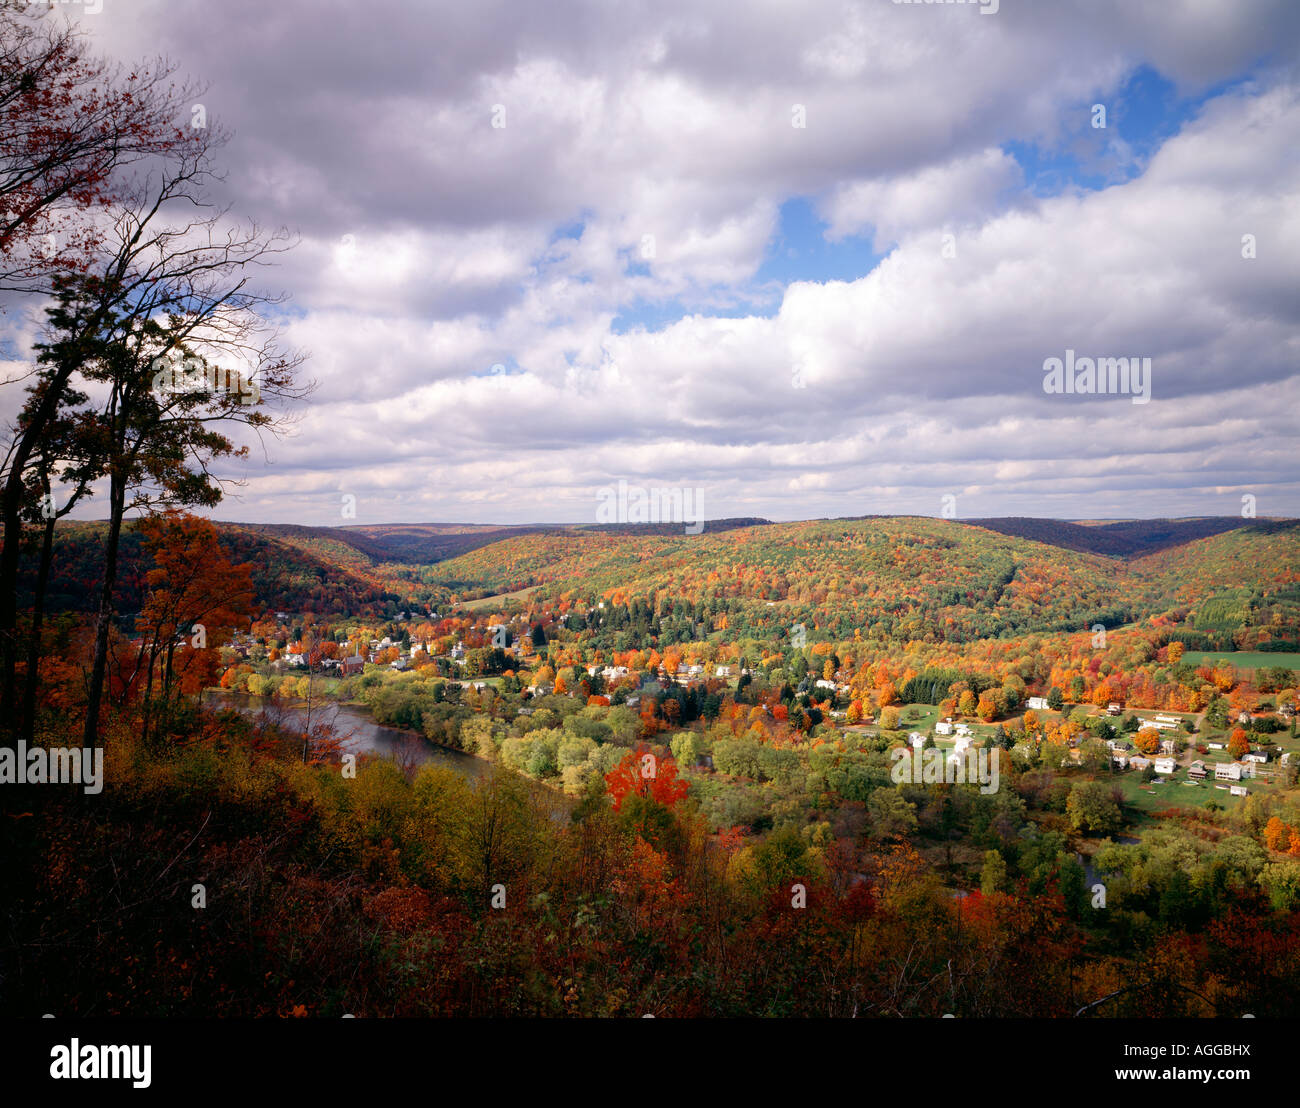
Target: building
354,664
1227,771
1038,704
1164,765
943,728
1196,771
1237,790
1138,761
1113,709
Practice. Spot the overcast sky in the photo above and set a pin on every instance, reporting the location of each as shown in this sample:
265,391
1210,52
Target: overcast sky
652,273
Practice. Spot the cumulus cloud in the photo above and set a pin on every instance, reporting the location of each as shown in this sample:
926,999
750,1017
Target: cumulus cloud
503,319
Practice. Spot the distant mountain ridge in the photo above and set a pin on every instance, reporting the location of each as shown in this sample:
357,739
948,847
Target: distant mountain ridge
1130,538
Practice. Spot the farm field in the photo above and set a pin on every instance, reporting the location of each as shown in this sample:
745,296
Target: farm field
1243,659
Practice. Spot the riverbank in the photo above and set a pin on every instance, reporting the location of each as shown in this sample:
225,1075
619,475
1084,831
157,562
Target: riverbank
361,734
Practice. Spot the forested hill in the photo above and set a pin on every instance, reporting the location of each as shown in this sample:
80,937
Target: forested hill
894,577
1128,538
891,577
295,569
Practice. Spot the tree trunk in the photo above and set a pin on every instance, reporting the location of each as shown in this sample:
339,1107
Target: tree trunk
104,620
34,639
11,501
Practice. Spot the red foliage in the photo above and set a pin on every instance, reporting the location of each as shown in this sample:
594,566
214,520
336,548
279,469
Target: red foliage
656,779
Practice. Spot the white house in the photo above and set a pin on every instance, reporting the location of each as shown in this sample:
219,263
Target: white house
1238,790
1164,765
1038,703
1255,756
1137,761
1120,760
916,739
723,671
1227,771
943,728
964,731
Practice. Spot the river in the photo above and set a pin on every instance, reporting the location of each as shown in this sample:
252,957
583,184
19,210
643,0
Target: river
362,734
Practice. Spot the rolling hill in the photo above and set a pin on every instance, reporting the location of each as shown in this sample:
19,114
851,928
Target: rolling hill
1123,539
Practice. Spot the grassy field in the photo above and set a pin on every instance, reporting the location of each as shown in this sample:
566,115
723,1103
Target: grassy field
489,603
1242,659
1175,793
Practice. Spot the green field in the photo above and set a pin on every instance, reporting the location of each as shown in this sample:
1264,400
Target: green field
1172,794
1243,659
490,603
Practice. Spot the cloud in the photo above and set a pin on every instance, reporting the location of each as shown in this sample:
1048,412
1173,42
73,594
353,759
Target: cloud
646,155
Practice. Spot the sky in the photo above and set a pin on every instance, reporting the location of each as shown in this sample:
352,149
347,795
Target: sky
797,259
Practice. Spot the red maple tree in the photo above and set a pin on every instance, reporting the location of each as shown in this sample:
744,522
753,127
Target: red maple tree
656,778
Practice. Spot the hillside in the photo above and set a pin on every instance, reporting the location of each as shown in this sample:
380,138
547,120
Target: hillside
294,568
1241,589
423,543
897,578
1124,539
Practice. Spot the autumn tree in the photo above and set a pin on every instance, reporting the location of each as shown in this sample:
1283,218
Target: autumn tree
1147,740
71,127
988,707
71,124
642,773
196,598
1091,807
